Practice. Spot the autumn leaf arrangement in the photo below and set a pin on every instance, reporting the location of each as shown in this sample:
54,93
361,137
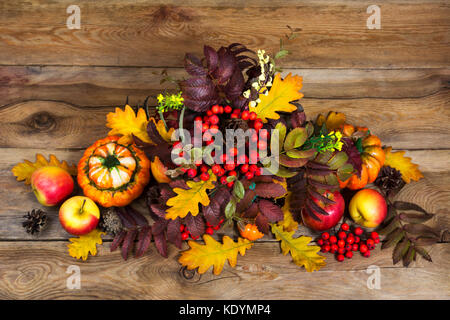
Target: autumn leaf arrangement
163,175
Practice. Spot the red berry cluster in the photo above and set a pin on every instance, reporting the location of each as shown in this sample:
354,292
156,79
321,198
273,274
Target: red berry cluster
209,230
236,165
345,242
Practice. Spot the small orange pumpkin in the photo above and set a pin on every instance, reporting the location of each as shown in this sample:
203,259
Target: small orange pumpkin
113,174
372,157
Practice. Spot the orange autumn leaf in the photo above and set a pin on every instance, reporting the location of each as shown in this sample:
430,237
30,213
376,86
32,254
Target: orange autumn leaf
279,97
397,160
24,170
127,123
188,200
80,247
161,127
213,253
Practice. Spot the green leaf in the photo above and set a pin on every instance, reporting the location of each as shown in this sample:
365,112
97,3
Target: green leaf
393,238
291,162
345,172
302,154
338,160
238,189
295,139
400,250
281,171
230,209
390,227
280,54
279,136
231,178
424,253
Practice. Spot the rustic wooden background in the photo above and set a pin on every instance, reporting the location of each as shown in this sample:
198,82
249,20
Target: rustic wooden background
57,85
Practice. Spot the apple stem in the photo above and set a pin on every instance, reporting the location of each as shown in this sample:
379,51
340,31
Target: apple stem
82,206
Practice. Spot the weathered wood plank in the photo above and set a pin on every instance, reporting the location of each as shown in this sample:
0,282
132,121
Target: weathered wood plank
432,193
100,86
37,270
409,123
158,33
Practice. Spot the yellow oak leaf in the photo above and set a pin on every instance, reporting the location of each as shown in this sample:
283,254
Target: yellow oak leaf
126,122
333,121
280,94
24,170
302,254
397,160
187,200
288,223
213,253
161,127
80,247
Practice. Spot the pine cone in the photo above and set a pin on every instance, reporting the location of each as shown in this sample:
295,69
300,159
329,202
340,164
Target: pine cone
35,222
389,180
110,221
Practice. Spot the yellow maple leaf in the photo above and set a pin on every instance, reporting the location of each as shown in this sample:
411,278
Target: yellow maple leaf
24,170
126,122
333,121
187,200
397,160
280,94
288,223
161,127
213,253
80,248
302,254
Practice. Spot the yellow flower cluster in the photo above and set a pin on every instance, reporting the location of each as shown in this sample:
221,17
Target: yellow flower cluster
169,101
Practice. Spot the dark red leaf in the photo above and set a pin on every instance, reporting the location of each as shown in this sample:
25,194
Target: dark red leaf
195,225
269,190
311,213
144,239
270,210
251,212
128,243
315,207
262,222
173,232
139,218
193,65
118,239
212,58
298,119
161,243
354,157
318,196
127,220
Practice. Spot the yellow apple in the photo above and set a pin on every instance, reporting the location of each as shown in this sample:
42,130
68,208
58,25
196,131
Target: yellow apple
79,215
368,208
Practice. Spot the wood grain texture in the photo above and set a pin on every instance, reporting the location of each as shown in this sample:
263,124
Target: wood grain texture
334,33
432,193
109,86
37,270
54,124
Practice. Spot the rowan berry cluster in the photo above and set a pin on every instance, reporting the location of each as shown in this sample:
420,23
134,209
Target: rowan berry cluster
344,243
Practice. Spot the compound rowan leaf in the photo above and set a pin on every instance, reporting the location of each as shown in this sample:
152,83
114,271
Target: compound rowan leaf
279,97
24,170
397,160
187,200
213,253
80,247
127,123
302,254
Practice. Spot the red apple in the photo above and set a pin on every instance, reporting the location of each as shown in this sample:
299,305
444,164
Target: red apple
51,185
368,208
79,215
335,212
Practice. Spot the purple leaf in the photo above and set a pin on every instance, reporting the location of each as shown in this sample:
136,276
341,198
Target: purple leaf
212,58
128,243
354,157
262,222
144,239
195,225
161,243
173,232
193,65
139,218
269,190
270,210
127,220
118,239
